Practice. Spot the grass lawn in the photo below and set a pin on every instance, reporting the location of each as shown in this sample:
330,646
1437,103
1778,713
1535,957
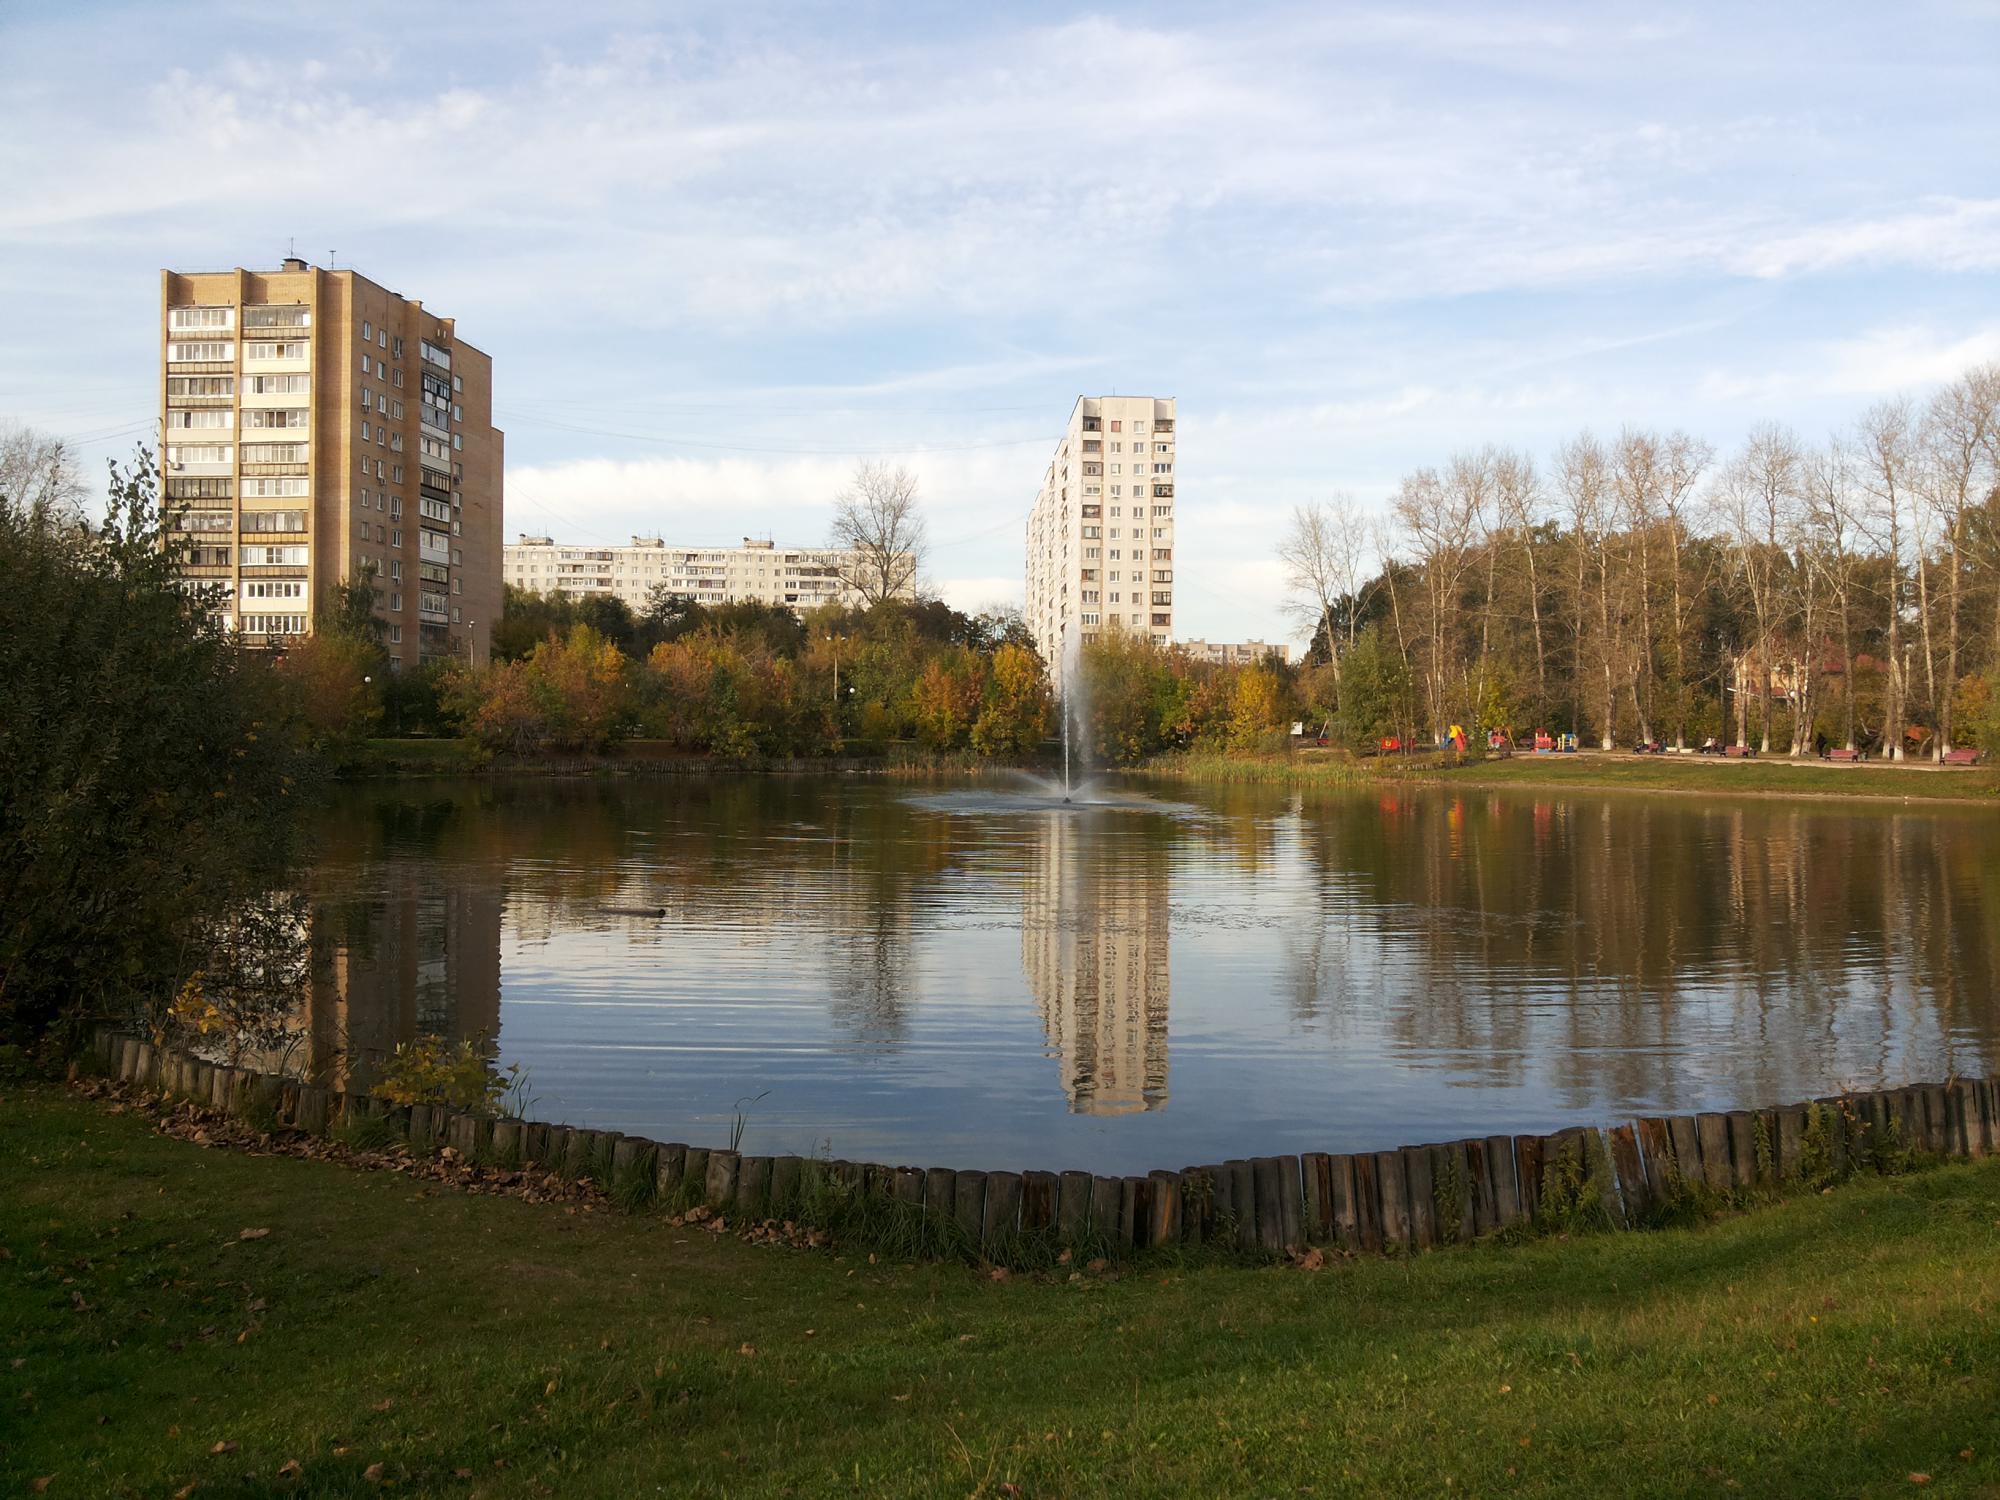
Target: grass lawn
1704,775
485,1346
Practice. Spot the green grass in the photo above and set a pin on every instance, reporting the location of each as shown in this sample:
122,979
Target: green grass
1828,1345
1705,775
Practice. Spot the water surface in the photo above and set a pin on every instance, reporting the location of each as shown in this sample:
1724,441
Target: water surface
952,975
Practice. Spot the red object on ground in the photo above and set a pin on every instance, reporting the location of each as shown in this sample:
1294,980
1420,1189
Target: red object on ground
1964,756
1843,754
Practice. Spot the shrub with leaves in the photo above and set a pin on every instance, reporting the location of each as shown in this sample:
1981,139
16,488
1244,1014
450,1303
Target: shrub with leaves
457,1075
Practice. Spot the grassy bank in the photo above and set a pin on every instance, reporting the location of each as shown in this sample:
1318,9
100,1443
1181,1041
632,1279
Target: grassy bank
479,1345
1702,775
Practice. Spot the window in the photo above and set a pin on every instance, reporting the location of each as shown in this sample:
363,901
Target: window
273,557
274,453
367,330
274,624
294,350
277,317
274,416
199,453
382,338
200,520
274,488
220,416
274,588
396,603
273,520
395,635
397,349
201,317
200,385
180,353
277,385
395,570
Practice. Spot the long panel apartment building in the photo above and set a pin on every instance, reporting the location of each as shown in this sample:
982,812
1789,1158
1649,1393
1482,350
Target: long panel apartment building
1101,535
318,428
760,571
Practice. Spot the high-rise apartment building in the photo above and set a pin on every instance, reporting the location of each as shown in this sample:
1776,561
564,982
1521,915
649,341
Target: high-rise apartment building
1101,536
318,428
758,570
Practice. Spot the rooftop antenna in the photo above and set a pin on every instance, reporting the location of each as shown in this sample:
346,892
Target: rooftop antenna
329,260
292,248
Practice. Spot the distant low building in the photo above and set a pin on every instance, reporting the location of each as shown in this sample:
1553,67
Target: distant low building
1236,653
760,571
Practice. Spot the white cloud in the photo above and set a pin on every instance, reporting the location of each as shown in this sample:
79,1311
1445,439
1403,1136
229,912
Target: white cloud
1884,361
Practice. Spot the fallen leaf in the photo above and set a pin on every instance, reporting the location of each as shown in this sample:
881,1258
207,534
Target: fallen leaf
183,1492
291,1468
1096,1265
385,1403
461,1473
1920,1479
372,1473
747,1351
253,1234
44,1482
1506,1389
998,1273
549,1389
223,1445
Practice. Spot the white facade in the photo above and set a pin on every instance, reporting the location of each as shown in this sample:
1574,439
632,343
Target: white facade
1101,536
1236,653
801,577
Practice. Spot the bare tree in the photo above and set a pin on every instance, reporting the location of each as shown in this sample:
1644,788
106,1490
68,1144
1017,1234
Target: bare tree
1957,440
1885,462
1832,523
1441,527
877,526
1322,551
37,470
1519,502
1757,499
1583,472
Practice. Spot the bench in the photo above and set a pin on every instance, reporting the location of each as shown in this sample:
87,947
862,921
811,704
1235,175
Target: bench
1843,755
1739,752
1961,757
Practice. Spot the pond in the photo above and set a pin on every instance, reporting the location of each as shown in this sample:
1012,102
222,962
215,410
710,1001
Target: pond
955,975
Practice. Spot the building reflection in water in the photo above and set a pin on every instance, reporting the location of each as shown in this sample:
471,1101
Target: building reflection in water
415,956
1094,947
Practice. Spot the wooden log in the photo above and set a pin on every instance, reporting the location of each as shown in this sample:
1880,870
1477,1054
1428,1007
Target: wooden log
906,1185
1164,1227
634,1163
506,1144
1366,1201
1291,1202
1717,1168
694,1175
1742,1147
1627,1167
534,1144
1393,1186
969,1206
1106,1193
1457,1155
1073,1207
1222,1213
103,1047
1506,1190
1528,1153
222,1087
1656,1158
1268,1190
1243,1199
1684,1132
1135,1211
1346,1222
1316,1170
1482,1212
1980,1118
1937,1120
1197,1203
201,1081
753,1187
1002,1218
787,1176
723,1168
1038,1202
1791,1135
312,1108
1420,1180
941,1192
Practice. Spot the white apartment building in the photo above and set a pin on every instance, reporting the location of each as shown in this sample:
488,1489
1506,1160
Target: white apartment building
1236,653
1101,536
801,577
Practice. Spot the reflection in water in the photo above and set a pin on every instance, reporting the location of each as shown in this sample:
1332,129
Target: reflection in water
1349,972
1094,946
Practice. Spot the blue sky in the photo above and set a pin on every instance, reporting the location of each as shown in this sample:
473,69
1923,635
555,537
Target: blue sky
720,251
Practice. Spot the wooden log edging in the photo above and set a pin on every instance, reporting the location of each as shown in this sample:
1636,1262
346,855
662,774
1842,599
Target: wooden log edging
1626,1176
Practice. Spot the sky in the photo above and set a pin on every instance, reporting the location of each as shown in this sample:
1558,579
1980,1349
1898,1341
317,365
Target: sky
721,252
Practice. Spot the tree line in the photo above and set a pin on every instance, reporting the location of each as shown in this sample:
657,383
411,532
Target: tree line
1789,595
